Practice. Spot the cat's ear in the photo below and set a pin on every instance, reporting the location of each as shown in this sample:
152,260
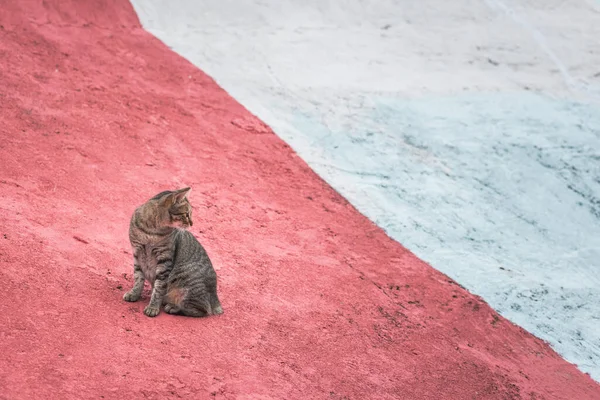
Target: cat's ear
175,197
168,200
181,193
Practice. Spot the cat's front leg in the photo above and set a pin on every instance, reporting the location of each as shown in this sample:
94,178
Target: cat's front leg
136,292
159,290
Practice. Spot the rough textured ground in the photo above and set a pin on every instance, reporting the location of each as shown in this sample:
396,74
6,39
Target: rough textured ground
97,115
468,130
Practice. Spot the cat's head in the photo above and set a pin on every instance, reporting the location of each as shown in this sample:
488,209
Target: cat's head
174,208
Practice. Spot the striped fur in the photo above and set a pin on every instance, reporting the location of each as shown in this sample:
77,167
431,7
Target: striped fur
171,259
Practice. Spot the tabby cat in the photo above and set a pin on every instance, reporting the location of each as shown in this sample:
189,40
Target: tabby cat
171,259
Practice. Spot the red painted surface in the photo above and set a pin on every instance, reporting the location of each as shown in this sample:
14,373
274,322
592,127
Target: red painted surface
96,116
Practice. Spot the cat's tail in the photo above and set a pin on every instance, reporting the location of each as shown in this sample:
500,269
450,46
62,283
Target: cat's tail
215,305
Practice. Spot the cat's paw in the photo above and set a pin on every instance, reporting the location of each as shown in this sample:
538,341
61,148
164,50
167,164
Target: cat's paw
131,297
170,309
151,311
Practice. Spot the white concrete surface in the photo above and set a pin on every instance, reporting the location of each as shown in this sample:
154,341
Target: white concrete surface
469,130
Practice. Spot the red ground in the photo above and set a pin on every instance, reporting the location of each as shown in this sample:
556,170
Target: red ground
96,116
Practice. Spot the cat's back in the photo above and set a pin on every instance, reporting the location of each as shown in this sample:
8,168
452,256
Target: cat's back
188,249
